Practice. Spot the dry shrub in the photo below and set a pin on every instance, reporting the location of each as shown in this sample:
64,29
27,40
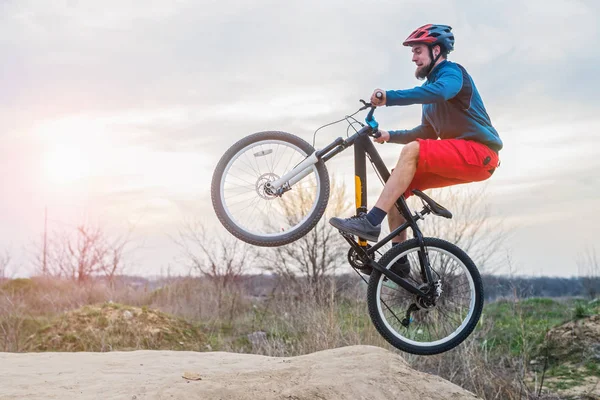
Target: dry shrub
203,300
490,376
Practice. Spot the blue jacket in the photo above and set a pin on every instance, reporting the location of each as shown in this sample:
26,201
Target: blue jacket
452,108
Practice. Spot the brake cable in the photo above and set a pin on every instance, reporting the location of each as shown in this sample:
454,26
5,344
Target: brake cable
364,107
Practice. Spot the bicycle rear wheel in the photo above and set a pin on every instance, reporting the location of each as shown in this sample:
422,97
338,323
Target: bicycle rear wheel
247,210
433,328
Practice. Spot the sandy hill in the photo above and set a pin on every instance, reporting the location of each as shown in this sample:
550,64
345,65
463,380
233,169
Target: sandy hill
356,372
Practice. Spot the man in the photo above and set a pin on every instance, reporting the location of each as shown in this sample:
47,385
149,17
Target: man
455,143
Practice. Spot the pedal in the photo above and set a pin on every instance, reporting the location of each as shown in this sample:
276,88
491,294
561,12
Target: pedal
346,234
350,238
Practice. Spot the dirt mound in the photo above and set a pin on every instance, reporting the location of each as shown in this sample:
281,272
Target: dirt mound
111,326
356,372
574,358
576,340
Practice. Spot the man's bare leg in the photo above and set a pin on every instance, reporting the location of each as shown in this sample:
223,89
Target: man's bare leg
395,219
399,181
400,178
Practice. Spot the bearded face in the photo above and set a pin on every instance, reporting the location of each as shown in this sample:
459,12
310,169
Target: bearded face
422,60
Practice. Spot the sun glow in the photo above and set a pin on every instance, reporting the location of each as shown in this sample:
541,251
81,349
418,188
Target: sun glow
101,152
73,148
66,164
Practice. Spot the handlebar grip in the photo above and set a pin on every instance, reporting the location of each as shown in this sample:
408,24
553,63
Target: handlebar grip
379,95
377,135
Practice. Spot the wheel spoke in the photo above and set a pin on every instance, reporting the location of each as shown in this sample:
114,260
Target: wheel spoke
442,324
250,209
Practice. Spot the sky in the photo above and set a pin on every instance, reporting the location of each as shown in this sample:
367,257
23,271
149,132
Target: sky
117,112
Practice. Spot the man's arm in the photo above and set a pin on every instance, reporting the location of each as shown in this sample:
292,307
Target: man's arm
444,88
423,131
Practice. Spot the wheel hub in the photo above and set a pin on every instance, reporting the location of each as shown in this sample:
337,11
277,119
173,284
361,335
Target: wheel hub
263,189
428,302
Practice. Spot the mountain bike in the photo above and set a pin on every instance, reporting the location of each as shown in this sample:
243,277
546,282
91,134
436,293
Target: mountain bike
271,188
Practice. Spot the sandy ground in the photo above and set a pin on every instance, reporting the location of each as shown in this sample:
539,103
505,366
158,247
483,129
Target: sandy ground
356,372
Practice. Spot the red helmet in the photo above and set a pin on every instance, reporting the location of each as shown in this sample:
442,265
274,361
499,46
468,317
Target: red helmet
431,35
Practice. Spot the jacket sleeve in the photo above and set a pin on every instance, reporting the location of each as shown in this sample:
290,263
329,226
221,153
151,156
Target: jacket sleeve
447,85
423,131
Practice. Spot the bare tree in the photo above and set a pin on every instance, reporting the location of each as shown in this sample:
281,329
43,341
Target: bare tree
85,252
5,259
589,270
221,258
472,227
317,254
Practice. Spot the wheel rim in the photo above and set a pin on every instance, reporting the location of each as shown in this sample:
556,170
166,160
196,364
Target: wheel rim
437,325
254,210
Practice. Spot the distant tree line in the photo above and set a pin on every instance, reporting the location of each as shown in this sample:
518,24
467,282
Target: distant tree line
497,287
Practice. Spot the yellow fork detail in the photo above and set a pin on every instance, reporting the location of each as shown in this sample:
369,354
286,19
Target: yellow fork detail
357,199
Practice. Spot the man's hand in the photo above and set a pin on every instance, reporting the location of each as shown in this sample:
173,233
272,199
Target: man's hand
378,102
385,136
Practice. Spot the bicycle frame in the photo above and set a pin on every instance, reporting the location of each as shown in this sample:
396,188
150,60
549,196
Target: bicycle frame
363,148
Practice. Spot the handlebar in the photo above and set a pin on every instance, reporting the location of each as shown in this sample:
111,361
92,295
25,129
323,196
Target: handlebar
366,105
369,119
374,125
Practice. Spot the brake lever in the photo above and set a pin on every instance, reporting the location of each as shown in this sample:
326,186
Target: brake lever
366,105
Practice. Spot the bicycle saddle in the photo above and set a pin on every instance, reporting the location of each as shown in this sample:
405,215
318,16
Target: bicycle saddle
435,207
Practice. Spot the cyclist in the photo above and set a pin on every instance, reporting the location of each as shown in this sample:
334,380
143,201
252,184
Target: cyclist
455,143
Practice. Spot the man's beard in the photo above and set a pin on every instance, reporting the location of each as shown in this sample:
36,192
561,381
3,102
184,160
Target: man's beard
421,72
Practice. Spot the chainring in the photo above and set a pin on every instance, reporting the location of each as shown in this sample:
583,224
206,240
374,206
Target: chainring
358,263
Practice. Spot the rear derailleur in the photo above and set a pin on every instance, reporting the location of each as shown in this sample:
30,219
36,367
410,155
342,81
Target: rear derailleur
423,303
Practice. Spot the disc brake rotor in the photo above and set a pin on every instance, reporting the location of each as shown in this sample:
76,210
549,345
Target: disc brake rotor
261,188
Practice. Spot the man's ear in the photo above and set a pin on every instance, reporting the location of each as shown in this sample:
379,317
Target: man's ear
436,51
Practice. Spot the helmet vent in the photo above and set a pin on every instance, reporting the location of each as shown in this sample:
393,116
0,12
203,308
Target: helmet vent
434,34
419,34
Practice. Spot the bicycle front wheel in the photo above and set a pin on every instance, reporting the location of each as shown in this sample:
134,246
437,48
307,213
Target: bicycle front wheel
433,327
250,212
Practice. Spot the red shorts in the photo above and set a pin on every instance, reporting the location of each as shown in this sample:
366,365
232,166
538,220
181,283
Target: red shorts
449,162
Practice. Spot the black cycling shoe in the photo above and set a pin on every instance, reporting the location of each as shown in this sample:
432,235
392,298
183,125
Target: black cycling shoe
401,267
359,226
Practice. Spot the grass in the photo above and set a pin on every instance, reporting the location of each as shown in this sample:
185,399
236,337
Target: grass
520,327
524,330
567,376
112,326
